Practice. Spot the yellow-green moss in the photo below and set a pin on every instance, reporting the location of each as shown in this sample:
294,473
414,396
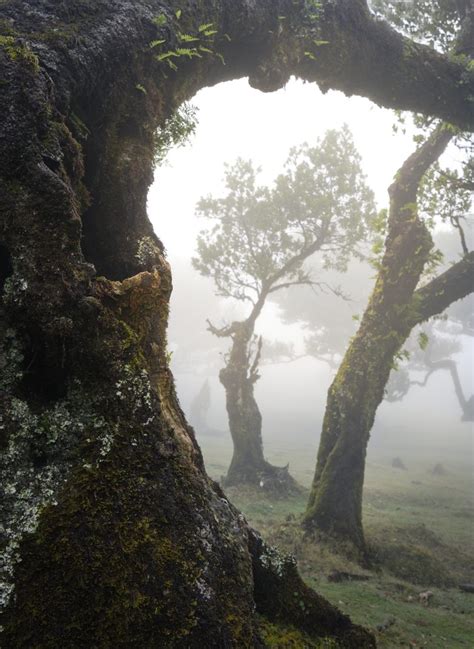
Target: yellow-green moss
18,52
277,636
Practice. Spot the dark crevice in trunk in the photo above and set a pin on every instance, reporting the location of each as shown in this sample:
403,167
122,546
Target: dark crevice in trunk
45,373
6,266
43,369
117,237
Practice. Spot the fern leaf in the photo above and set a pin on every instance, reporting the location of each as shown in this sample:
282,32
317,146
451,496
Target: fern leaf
205,27
187,38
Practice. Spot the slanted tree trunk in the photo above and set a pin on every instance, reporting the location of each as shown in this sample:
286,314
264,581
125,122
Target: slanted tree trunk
113,534
395,307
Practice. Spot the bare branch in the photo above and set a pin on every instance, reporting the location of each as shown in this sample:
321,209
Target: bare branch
223,332
456,223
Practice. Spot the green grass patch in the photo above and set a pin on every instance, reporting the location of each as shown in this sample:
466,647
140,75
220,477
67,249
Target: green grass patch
419,527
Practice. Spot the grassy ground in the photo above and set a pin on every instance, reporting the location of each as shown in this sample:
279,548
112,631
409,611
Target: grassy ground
419,526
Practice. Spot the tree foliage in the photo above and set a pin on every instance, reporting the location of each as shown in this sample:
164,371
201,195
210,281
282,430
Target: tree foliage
175,132
434,22
260,236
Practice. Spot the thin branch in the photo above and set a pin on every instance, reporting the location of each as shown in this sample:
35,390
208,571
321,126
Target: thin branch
305,282
223,332
446,364
457,183
455,221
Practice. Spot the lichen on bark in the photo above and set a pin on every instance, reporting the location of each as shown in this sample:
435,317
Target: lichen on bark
395,308
131,544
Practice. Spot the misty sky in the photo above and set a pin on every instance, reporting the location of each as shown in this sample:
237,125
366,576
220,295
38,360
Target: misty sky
236,120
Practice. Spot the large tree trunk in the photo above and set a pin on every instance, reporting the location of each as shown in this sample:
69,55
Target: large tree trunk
113,535
395,307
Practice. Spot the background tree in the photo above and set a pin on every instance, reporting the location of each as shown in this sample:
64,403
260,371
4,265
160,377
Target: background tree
395,308
429,349
398,303
200,407
257,245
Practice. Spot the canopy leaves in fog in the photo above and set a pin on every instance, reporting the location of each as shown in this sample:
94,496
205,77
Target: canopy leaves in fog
260,235
434,22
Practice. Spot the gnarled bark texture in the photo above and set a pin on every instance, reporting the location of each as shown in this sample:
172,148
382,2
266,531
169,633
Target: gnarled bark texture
113,535
395,307
248,465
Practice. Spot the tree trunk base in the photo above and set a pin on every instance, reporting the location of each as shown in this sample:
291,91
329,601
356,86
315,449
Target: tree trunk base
272,480
282,596
340,544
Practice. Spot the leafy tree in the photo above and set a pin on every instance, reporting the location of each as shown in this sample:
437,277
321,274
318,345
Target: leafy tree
407,292
175,132
399,302
435,22
257,244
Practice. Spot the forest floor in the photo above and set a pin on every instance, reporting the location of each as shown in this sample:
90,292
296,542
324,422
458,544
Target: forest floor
420,530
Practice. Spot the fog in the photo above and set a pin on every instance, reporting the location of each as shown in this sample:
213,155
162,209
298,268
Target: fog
235,120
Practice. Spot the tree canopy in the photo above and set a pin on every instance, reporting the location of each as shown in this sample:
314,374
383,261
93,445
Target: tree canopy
435,22
260,236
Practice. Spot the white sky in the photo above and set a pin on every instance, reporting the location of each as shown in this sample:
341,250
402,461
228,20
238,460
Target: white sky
236,120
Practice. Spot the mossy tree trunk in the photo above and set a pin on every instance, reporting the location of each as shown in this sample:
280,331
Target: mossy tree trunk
113,534
245,420
248,465
395,307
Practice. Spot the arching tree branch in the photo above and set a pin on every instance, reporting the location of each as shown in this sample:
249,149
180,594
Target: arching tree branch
452,285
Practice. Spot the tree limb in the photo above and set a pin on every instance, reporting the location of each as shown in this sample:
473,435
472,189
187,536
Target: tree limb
223,332
452,285
445,364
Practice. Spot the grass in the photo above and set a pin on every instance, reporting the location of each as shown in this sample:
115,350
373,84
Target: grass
419,527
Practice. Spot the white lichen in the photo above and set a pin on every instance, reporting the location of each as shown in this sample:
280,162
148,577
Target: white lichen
135,389
41,450
147,251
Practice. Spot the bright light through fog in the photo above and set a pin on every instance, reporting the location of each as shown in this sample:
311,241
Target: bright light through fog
236,120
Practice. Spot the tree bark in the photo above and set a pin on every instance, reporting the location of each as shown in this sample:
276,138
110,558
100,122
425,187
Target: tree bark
113,534
248,465
395,307
245,420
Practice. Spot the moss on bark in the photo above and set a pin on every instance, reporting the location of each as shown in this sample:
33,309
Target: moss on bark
126,542
335,503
